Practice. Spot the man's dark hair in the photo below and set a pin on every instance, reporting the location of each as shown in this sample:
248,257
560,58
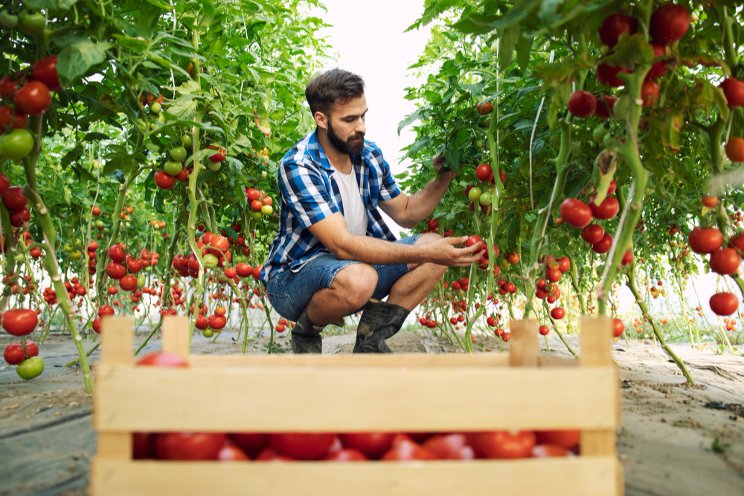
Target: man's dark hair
335,85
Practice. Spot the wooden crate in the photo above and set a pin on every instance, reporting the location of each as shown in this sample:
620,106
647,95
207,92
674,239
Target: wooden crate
401,393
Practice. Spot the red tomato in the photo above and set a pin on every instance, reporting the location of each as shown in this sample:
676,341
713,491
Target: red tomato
734,91
162,359
607,75
723,303
605,210
725,261
243,270
250,442
32,98
231,453
617,327
15,353
484,107
4,184
450,447
189,445
614,25
604,245
371,444
669,23
45,70
593,233
735,149
269,455
484,173
582,103
345,455
549,450
737,242
219,242
128,282
650,92
20,321
7,86
406,450
143,446
558,313
134,264
15,199
117,253
256,205
575,212
502,444
201,322
544,330
217,322
567,438
605,105
705,240
163,180
564,264
252,194
116,270
710,201
302,446
659,68
257,272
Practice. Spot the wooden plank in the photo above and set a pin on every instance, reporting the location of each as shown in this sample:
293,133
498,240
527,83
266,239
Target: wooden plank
348,360
370,398
176,335
532,477
117,338
596,350
523,347
117,334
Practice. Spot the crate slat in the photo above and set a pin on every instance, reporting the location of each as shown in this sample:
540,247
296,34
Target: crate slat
532,477
361,398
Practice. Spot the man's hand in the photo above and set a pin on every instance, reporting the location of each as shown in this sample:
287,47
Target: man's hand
445,252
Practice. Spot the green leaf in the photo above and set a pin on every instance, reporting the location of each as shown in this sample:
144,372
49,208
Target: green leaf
76,59
524,51
96,137
409,119
83,174
184,107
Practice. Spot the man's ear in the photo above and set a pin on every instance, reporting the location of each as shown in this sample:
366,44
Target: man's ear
321,120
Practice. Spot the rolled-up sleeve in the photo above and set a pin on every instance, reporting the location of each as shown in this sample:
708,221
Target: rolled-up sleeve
305,193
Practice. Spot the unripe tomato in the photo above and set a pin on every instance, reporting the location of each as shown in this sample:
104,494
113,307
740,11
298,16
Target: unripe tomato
17,144
31,23
30,368
178,153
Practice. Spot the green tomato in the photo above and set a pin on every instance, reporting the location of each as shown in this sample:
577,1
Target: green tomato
485,199
7,20
30,368
172,168
210,261
17,144
31,23
155,107
267,210
207,333
256,214
263,174
599,133
186,140
19,258
474,194
178,153
142,125
214,166
141,280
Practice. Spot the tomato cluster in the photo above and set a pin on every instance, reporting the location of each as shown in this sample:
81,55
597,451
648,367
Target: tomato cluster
358,446
16,201
24,353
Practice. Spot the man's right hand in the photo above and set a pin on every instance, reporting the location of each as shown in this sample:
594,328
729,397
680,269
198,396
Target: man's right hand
445,251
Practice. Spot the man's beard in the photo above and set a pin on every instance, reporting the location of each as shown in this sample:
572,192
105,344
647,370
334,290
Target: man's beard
349,147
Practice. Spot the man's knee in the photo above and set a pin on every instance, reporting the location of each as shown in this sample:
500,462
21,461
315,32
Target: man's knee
355,283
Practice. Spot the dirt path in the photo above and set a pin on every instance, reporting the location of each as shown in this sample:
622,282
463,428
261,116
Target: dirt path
675,439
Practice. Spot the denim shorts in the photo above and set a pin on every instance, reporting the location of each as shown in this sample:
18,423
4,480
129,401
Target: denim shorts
290,292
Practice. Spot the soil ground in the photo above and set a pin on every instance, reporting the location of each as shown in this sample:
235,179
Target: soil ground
675,439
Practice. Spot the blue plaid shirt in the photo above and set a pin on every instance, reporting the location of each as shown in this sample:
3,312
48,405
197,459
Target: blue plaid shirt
309,196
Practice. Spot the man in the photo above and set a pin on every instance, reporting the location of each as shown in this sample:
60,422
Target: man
334,254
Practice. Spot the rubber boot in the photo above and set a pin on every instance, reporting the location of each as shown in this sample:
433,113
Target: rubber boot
379,321
305,336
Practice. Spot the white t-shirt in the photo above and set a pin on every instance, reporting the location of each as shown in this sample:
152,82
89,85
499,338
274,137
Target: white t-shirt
355,214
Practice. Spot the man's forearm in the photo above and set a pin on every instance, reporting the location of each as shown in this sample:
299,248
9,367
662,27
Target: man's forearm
379,251
422,203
